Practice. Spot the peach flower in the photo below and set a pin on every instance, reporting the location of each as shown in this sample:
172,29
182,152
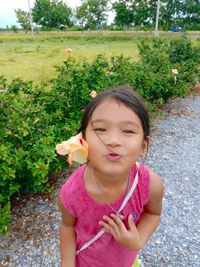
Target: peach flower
174,71
93,94
36,120
76,148
68,50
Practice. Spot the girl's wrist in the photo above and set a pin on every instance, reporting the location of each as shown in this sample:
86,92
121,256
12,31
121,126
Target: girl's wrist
134,243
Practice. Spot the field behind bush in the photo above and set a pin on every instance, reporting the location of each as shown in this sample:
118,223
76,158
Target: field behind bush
34,58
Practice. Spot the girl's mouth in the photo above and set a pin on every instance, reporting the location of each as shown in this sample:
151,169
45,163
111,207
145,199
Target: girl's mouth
113,156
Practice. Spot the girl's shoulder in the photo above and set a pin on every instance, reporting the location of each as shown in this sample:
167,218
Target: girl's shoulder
143,186
72,187
156,185
156,194
144,174
75,179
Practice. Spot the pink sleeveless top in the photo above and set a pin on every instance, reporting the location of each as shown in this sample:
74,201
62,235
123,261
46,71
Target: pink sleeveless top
105,251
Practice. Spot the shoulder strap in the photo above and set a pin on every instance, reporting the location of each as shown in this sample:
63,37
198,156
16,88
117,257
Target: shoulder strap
130,191
126,199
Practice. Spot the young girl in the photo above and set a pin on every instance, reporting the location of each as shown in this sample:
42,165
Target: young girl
111,205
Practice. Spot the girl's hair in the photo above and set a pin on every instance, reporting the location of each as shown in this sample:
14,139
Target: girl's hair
122,94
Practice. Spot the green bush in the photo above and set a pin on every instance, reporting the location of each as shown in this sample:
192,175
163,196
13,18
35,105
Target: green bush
34,119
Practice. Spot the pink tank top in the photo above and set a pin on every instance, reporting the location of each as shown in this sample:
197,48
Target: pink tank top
105,251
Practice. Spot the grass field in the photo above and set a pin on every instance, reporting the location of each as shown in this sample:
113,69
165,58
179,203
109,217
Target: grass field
34,57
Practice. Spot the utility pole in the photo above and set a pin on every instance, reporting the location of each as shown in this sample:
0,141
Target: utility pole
157,17
30,16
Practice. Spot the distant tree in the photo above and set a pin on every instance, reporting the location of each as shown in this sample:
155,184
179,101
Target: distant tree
139,13
135,12
167,11
51,14
91,14
124,16
179,13
190,12
23,18
144,12
14,28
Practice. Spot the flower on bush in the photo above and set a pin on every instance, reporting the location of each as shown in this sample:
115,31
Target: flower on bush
93,94
76,148
36,120
68,50
174,71
3,91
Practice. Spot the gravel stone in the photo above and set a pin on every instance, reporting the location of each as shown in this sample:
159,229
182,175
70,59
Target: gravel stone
33,239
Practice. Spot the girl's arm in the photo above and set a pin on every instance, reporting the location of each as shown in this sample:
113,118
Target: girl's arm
67,238
150,217
137,236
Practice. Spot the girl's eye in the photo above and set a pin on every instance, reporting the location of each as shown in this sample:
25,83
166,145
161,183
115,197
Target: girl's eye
128,131
99,129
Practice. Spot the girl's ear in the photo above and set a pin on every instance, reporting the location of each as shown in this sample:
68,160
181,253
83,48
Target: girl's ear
145,146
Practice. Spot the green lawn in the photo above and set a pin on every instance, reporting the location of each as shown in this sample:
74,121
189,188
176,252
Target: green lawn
34,58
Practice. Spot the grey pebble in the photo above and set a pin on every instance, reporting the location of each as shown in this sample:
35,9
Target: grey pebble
175,155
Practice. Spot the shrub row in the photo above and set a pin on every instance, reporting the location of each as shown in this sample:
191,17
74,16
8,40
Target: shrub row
34,119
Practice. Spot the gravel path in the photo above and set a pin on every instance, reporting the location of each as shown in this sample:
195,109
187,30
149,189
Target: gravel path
175,155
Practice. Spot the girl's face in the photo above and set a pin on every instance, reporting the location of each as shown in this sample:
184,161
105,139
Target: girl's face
115,137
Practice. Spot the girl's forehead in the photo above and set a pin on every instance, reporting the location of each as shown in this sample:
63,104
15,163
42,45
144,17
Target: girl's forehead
113,110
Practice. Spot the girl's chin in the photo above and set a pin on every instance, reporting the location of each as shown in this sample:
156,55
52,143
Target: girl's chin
109,170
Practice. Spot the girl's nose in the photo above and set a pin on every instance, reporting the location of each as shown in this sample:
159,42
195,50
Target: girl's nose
113,139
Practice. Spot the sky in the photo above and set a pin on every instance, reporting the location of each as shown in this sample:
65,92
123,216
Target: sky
7,13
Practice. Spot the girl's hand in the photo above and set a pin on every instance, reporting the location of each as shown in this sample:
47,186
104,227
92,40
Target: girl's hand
128,238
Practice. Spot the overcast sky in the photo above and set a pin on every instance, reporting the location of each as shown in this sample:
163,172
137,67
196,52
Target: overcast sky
7,14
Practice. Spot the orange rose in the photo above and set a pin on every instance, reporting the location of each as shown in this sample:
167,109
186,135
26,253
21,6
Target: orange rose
76,148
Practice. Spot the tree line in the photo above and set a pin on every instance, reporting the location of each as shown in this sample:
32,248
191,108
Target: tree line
128,14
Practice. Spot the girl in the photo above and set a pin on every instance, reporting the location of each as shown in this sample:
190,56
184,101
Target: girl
111,206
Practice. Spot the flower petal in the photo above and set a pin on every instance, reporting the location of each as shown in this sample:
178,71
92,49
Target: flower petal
174,71
93,94
79,156
76,147
63,148
69,159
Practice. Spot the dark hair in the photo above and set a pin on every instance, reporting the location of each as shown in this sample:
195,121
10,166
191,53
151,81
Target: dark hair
125,95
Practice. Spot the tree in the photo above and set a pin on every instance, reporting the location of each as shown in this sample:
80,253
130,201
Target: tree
190,12
23,18
14,28
51,14
135,12
144,12
180,12
91,14
124,16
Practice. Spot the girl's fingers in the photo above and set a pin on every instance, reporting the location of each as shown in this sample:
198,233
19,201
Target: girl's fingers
110,226
119,222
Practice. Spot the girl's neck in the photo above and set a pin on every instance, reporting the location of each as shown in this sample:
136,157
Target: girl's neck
108,180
